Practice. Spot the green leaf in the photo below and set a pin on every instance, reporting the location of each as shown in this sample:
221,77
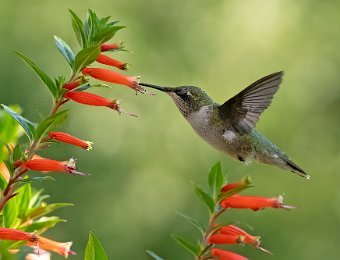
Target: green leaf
94,250
194,222
192,248
17,153
10,213
10,131
23,199
49,123
3,183
6,149
107,34
154,255
43,76
65,50
28,126
206,198
9,166
36,179
86,57
46,209
78,28
216,179
43,224
37,198
91,25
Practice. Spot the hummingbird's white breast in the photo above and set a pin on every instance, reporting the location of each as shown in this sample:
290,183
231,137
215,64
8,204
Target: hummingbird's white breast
201,122
219,133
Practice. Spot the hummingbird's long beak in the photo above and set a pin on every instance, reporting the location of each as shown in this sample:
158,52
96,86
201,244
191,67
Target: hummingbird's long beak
164,89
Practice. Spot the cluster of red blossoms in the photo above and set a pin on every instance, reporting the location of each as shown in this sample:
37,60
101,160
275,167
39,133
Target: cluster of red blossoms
231,234
106,75
38,163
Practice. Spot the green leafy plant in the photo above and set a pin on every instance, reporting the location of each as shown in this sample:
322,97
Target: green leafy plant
222,196
24,212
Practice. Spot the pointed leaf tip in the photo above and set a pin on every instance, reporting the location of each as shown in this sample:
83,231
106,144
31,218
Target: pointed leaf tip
206,198
216,178
27,125
65,50
43,76
94,250
192,248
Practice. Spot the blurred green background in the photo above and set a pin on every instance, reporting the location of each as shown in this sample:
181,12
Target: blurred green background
142,168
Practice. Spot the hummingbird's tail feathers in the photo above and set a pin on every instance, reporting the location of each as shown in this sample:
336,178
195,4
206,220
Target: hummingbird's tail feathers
296,169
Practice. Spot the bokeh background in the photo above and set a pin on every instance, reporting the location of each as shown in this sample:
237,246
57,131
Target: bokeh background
142,168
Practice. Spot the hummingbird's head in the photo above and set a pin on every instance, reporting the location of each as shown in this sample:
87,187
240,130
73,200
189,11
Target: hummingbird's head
188,99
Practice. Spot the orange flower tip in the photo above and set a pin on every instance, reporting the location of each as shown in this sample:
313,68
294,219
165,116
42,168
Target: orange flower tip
125,66
71,168
89,145
134,84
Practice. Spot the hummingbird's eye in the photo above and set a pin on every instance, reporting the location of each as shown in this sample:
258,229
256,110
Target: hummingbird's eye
184,93
181,92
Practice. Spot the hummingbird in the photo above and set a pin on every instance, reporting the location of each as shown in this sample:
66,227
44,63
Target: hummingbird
230,127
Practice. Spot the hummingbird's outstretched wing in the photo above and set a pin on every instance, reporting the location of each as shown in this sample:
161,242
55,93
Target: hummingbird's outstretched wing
245,108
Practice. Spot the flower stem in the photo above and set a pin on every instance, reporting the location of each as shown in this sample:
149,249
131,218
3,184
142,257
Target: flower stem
11,187
210,226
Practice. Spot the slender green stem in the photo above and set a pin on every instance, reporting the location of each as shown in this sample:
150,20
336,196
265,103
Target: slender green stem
11,187
210,227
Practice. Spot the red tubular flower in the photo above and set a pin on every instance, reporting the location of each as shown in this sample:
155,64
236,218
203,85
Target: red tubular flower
234,230
92,99
54,246
66,138
111,62
254,202
225,239
110,46
46,165
71,85
17,235
226,255
240,184
113,77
